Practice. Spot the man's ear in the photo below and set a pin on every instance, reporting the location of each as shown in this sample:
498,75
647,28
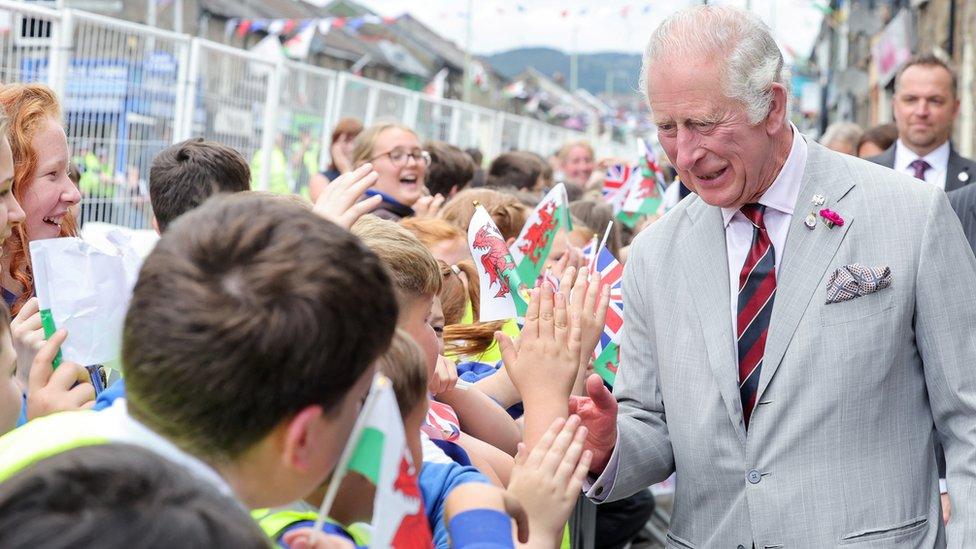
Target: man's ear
301,444
776,118
155,225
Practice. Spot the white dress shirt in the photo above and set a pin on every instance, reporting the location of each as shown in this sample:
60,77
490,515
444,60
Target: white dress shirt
779,199
938,159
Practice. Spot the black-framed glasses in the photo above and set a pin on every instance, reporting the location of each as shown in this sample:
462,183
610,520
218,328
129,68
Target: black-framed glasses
399,157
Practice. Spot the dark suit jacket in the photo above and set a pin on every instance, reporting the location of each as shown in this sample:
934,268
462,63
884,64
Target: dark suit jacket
957,165
963,201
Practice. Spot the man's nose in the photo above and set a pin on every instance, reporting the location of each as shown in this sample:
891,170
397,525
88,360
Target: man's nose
688,151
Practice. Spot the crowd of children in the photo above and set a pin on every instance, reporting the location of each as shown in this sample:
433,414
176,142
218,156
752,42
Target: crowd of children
259,326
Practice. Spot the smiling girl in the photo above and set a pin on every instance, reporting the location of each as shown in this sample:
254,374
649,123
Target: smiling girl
41,183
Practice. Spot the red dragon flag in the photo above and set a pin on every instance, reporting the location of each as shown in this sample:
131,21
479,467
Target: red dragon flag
500,284
644,195
532,246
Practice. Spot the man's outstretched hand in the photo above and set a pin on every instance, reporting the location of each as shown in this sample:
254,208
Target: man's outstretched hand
598,412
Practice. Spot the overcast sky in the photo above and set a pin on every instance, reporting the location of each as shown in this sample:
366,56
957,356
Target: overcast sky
604,25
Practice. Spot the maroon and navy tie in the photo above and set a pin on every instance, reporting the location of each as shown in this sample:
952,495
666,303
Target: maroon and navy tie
757,287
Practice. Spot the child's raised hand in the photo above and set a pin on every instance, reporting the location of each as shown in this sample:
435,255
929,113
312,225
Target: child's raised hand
589,299
547,480
444,377
340,201
309,538
49,390
428,206
547,359
27,335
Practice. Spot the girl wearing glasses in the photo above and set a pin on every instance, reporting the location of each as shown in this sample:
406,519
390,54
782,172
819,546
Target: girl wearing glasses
396,155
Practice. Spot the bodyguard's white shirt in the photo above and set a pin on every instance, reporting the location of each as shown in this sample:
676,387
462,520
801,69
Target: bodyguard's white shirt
780,200
938,159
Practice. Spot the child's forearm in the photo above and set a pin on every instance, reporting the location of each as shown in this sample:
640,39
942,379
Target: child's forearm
500,388
482,418
540,410
500,462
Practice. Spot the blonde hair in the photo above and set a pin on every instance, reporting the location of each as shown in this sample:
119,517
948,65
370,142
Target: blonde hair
505,209
411,266
364,147
564,151
403,363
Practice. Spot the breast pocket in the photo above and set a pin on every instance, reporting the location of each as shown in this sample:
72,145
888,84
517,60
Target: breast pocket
857,309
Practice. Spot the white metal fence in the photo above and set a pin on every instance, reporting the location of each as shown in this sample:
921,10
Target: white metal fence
129,90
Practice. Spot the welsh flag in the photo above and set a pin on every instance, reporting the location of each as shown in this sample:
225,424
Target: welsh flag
645,190
381,455
532,246
607,350
501,297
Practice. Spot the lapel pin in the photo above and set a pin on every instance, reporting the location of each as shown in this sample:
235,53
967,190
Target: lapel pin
810,221
963,176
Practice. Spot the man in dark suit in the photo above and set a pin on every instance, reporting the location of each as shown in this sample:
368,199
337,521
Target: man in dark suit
963,201
925,106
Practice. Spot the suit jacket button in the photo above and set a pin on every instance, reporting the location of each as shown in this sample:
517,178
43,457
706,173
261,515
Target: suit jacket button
599,490
754,476
741,546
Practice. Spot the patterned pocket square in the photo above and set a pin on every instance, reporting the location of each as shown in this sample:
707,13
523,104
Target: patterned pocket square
856,280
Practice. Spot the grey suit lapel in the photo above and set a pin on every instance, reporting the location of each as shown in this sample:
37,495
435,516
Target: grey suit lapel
705,259
807,253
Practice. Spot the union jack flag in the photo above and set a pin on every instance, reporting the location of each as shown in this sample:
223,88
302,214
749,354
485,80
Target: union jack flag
612,272
617,176
441,423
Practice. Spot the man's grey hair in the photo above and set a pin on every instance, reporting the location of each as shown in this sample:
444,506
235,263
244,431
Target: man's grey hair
846,132
737,39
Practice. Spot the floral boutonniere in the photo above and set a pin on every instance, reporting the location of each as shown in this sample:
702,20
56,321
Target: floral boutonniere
831,218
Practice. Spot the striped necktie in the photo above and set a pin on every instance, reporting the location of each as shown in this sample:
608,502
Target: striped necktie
757,287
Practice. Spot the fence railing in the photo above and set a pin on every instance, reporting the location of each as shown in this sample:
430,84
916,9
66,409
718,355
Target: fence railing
129,90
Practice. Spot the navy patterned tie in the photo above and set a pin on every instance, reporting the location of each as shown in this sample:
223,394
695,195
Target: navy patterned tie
757,287
920,167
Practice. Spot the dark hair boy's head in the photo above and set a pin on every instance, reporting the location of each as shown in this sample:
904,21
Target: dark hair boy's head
184,175
475,154
450,168
117,496
249,310
517,169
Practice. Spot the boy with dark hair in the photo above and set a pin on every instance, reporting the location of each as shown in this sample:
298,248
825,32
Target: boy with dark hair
450,170
117,496
184,175
247,349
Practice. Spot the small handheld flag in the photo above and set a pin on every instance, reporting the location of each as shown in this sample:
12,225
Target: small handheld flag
501,297
531,248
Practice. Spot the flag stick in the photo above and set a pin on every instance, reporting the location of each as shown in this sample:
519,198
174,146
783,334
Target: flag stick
351,444
596,252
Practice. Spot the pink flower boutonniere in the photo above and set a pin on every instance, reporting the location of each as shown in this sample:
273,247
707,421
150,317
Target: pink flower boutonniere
831,218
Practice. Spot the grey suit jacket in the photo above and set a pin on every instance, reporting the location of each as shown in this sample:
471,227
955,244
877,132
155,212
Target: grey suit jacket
839,450
960,170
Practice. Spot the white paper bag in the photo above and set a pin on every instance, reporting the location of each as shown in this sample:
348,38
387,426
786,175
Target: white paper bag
86,290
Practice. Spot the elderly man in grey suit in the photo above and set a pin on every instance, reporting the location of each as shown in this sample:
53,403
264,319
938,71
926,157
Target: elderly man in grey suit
925,106
794,333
